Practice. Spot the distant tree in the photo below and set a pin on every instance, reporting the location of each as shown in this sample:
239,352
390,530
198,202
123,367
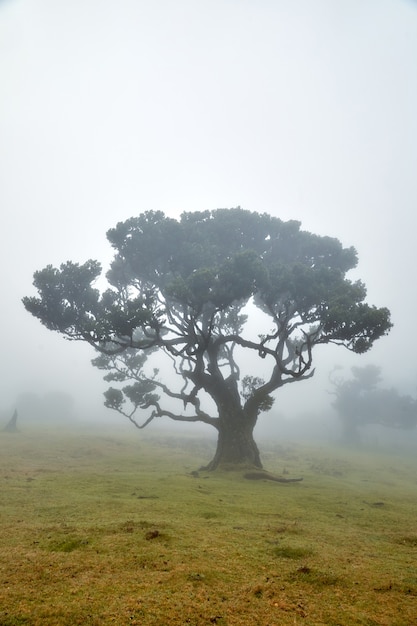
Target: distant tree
360,401
179,295
29,406
58,406
11,426
55,406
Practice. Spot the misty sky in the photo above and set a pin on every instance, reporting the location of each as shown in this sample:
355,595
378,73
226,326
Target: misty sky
306,109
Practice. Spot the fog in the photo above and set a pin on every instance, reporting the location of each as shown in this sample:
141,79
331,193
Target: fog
305,110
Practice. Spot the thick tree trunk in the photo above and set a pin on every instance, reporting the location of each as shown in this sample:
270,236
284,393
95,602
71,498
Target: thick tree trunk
235,447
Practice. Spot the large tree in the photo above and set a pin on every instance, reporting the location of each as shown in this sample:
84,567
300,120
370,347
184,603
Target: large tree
234,301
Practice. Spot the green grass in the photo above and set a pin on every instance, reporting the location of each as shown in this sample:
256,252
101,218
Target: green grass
116,529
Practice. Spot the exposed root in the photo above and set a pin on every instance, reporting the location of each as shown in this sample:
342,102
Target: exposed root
266,476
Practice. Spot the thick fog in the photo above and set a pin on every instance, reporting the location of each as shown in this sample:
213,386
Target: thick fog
305,110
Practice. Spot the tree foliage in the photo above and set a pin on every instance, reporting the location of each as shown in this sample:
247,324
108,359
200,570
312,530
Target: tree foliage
361,400
181,288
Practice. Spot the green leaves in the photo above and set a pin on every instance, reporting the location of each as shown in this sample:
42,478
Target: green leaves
67,299
238,278
68,303
355,324
231,255
139,394
114,399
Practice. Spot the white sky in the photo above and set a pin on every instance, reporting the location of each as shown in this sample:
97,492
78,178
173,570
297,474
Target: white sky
306,109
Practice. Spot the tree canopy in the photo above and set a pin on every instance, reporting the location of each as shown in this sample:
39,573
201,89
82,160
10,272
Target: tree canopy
182,287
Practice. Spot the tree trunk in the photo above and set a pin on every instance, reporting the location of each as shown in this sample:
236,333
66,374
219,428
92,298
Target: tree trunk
11,426
235,447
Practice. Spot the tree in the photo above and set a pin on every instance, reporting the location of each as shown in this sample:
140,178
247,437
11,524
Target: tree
186,292
361,401
57,406
11,426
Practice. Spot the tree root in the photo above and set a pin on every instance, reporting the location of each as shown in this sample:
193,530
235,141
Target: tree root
266,476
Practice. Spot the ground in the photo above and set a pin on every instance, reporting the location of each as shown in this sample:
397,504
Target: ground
118,529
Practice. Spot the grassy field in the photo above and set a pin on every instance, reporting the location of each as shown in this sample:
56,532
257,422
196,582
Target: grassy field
115,529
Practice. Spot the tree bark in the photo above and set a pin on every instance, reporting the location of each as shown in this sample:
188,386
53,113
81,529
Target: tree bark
236,446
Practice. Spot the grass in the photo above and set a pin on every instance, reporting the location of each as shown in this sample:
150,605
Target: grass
118,529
